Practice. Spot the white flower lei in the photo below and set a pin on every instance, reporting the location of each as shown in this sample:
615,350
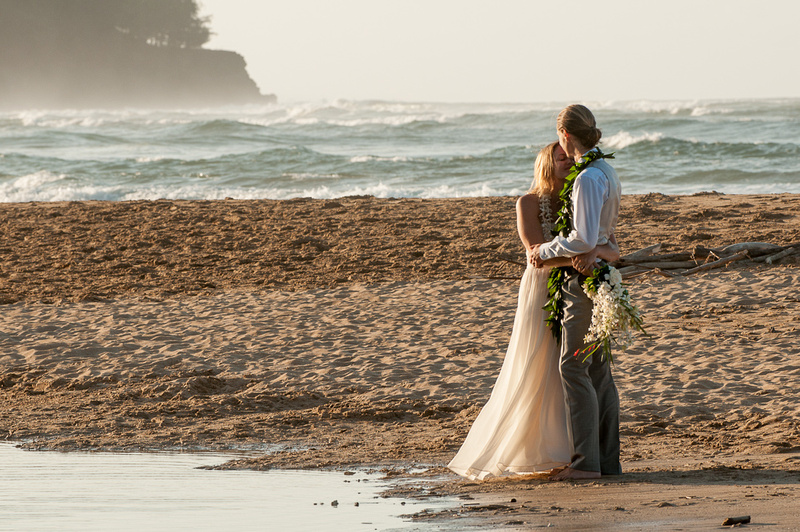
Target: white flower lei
546,217
614,316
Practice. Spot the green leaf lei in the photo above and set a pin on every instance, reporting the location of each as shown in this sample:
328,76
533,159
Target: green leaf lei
563,226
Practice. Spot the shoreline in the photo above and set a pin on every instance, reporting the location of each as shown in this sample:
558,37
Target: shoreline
364,332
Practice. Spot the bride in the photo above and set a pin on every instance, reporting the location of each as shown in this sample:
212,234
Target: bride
523,427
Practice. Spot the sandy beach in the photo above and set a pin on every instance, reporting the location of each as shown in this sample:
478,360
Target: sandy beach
364,332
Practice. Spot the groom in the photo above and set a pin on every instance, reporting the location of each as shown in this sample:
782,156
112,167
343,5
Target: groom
590,393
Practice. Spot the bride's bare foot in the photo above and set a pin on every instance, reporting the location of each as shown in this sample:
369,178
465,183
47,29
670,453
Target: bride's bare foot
573,474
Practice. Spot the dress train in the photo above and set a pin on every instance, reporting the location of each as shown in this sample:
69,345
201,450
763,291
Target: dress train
523,427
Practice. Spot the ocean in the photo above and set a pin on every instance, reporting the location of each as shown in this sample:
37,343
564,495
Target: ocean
386,149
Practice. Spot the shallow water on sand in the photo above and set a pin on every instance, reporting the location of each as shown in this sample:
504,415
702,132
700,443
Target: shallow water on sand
167,491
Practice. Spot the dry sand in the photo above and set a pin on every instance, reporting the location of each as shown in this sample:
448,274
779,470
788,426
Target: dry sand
369,332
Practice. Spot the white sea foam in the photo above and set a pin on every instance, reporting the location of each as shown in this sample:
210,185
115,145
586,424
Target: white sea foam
48,187
43,186
623,139
731,188
368,158
345,113
308,175
671,107
201,192
303,120
397,120
36,180
382,190
38,186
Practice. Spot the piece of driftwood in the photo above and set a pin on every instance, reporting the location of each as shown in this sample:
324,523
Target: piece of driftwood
490,277
778,256
754,249
717,263
645,261
644,252
731,521
680,256
668,265
784,252
656,271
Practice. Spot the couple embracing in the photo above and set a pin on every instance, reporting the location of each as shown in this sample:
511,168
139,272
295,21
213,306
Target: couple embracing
554,405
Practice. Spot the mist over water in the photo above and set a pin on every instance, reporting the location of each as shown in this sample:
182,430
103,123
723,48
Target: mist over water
386,149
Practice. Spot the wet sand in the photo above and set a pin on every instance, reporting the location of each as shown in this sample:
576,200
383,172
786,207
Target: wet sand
368,332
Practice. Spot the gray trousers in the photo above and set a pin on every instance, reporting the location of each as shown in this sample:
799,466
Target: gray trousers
591,396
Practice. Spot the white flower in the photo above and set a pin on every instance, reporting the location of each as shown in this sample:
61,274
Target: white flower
614,317
615,277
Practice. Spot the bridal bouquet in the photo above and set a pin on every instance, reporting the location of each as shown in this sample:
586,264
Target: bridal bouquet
614,317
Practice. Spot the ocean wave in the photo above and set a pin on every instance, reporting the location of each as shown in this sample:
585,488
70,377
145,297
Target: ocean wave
70,118
681,151
51,187
623,139
356,114
780,108
220,127
45,186
38,186
690,108
390,120
396,120
370,158
384,190
305,176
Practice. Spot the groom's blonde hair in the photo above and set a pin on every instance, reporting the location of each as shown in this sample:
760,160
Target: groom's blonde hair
578,120
544,171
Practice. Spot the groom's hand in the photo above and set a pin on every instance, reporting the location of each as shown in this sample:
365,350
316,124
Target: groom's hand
586,263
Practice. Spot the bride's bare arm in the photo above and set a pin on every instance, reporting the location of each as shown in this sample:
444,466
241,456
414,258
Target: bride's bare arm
529,227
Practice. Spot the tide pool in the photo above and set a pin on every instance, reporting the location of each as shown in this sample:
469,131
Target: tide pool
169,491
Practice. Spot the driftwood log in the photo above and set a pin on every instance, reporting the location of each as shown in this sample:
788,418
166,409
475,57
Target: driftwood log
646,260
733,521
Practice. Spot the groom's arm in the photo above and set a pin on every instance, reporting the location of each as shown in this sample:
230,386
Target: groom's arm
588,196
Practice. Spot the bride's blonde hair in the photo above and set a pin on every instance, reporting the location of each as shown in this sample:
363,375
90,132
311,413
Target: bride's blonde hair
544,171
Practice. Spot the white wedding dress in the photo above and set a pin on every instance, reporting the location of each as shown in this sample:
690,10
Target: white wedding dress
523,427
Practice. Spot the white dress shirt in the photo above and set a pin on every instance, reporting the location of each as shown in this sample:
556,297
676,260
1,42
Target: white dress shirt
595,199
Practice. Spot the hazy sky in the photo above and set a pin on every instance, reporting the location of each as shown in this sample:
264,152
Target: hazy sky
513,50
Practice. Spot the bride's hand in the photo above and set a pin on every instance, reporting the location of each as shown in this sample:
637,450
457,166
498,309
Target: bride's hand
533,257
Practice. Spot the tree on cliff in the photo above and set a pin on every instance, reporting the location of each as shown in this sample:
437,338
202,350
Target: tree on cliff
85,23
159,22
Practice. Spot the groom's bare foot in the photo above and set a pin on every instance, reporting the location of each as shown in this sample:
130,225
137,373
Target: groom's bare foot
574,474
